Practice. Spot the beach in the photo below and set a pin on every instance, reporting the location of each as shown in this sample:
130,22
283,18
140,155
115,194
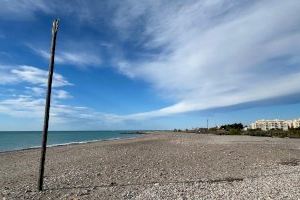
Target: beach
161,165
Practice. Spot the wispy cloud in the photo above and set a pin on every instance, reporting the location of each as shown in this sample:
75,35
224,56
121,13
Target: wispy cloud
36,76
32,107
23,106
6,76
62,94
23,9
81,59
57,94
29,74
28,100
216,53
36,91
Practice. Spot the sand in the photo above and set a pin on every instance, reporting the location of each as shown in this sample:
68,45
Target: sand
159,166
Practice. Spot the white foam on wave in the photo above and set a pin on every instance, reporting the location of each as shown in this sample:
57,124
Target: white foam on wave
70,143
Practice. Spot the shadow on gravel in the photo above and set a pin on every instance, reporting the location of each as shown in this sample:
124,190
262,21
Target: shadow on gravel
223,180
290,162
114,184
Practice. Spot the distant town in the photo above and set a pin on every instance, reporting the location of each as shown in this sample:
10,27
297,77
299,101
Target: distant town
266,125
262,127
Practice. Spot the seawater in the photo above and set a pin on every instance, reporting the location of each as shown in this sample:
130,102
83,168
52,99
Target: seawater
16,140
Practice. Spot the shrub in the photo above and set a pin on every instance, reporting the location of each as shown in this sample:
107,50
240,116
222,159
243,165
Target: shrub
219,132
234,131
294,133
258,132
232,126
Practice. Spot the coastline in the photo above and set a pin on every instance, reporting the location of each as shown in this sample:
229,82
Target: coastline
162,165
74,143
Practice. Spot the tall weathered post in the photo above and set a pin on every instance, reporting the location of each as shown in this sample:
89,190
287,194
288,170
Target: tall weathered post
47,106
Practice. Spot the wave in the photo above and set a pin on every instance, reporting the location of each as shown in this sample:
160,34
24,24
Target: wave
69,143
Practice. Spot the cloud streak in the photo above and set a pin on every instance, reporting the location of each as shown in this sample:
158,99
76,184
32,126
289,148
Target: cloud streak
29,100
33,107
81,59
37,76
213,54
31,75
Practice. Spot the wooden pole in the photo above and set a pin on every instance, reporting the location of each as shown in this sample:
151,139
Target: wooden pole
47,106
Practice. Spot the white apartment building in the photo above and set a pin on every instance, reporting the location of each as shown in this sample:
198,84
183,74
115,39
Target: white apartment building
275,124
296,123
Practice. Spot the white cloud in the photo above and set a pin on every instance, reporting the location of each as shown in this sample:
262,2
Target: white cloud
61,94
57,94
33,107
23,106
6,77
216,53
21,9
29,100
37,76
36,91
72,58
29,9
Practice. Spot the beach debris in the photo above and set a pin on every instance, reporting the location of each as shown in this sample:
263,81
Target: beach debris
129,195
84,192
290,162
113,184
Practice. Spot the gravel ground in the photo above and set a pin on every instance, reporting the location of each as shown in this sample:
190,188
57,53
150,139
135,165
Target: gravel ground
159,166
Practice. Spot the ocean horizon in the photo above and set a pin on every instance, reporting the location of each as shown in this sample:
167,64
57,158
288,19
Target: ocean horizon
19,140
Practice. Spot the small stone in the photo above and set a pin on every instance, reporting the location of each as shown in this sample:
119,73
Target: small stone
83,192
113,184
28,191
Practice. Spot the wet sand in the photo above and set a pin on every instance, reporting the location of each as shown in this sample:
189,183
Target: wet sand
159,166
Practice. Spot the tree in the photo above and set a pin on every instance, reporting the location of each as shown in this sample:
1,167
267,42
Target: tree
227,127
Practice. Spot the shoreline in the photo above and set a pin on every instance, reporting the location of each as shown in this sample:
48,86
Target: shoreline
138,135
74,143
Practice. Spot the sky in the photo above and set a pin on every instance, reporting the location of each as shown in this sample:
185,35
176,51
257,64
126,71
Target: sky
149,64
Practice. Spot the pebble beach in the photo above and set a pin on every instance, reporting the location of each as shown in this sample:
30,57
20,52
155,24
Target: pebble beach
161,165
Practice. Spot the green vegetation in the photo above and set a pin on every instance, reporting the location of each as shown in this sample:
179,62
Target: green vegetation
235,126
237,129
274,133
294,133
228,129
234,131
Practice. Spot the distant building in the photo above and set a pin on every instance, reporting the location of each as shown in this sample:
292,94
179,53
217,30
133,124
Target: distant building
296,123
246,128
266,125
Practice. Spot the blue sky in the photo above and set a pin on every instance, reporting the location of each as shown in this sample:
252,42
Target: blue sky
149,64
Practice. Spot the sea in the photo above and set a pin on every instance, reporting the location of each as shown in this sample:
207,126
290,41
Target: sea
17,140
